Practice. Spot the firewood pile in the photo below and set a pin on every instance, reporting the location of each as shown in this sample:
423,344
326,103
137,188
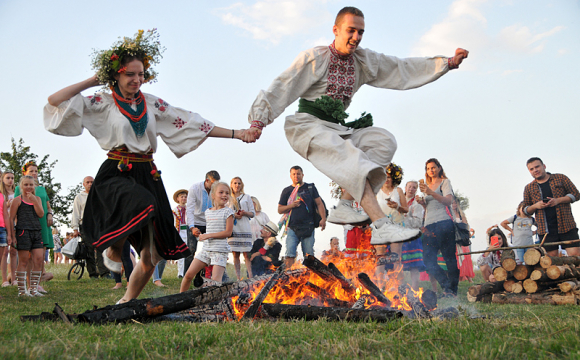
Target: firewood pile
311,292
542,280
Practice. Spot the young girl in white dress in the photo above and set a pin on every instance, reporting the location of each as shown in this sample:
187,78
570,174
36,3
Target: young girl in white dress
242,239
219,226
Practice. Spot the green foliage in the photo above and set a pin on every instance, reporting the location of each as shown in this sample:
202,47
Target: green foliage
462,200
14,161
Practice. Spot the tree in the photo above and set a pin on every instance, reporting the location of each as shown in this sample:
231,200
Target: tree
61,206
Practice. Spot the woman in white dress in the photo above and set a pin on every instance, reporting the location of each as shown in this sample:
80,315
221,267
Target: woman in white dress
258,221
128,200
389,199
242,239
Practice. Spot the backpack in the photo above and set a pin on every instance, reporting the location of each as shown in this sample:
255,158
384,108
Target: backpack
317,216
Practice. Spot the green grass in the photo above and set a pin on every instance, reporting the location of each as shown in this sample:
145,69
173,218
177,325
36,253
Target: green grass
484,331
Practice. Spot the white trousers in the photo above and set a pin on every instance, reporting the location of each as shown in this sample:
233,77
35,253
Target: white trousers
349,157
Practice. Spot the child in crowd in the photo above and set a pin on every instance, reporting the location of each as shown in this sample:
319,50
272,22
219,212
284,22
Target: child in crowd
57,246
5,229
27,210
521,231
7,189
219,226
491,258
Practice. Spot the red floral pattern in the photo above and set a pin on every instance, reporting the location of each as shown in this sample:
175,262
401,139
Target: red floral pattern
205,127
161,105
179,123
341,76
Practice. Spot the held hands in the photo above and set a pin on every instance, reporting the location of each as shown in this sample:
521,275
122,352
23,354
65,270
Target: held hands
195,232
250,135
460,54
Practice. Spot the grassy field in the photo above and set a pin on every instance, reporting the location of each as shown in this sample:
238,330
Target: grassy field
482,332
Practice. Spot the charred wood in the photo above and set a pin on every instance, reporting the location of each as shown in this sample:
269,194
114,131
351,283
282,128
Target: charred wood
253,309
368,284
316,312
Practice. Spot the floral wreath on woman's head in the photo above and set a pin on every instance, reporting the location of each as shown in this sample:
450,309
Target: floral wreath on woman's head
145,45
396,173
28,164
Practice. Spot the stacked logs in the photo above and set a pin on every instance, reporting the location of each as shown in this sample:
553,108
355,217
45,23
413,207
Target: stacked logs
542,280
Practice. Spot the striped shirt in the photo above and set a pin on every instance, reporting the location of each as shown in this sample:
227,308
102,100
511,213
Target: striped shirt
216,222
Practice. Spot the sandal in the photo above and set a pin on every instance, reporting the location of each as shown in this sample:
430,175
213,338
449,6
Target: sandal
6,284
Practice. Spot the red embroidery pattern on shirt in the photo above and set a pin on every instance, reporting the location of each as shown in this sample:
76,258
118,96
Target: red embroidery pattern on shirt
161,105
179,123
205,127
95,99
341,76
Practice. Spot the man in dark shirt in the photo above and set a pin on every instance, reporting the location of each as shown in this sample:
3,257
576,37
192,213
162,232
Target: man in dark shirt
298,203
549,196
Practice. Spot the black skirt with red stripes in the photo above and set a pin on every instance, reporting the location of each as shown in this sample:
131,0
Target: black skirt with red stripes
120,205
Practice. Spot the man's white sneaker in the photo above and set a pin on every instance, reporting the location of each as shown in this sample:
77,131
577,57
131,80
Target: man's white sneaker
114,266
391,233
344,214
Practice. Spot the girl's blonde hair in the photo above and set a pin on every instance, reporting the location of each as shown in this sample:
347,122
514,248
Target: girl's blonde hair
233,199
257,205
214,187
26,177
3,188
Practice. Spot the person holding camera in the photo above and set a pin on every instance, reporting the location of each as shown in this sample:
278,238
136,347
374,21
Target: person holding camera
549,197
492,258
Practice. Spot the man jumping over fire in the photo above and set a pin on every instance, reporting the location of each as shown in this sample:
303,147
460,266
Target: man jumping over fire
353,154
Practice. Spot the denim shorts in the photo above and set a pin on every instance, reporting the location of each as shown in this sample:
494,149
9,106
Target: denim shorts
292,241
3,241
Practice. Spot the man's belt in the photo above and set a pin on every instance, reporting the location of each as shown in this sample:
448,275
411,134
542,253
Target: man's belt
332,110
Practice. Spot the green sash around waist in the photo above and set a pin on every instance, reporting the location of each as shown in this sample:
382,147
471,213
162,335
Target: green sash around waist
331,110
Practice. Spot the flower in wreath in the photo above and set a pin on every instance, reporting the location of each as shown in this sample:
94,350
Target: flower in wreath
144,46
396,173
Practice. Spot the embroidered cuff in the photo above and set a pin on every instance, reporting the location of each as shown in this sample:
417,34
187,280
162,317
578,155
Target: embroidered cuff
257,124
262,251
451,64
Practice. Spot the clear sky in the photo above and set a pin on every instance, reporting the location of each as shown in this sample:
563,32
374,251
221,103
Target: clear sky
515,97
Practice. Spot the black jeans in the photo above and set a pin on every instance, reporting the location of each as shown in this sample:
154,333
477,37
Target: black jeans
192,244
440,236
95,268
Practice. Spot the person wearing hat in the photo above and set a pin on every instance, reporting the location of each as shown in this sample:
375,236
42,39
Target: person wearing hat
180,197
265,252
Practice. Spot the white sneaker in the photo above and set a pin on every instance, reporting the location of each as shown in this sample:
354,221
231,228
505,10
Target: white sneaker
344,214
114,266
391,233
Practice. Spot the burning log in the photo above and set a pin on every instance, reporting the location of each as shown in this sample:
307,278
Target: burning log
317,312
429,299
501,274
508,260
419,309
534,299
327,274
547,261
344,282
325,297
523,272
368,284
253,309
150,308
361,302
533,256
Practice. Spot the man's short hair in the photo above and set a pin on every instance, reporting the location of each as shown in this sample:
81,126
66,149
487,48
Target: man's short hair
213,174
332,238
296,167
531,160
347,10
